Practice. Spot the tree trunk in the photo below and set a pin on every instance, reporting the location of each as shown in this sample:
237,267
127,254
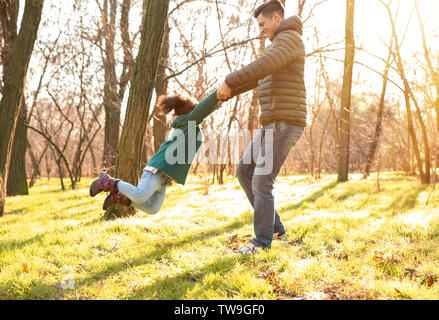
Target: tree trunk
112,102
14,81
322,136
17,180
129,158
378,127
8,22
434,74
36,163
407,96
345,114
253,114
161,87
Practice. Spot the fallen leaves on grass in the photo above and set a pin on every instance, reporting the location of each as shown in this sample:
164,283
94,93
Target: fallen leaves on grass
364,294
230,293
234,246
273,278
235,241
296,242
385,256
332,291
82,266
45,272
25,267
337,255
409,272
316,295
135,287
413,274
248,263
430,280
292,286
192,277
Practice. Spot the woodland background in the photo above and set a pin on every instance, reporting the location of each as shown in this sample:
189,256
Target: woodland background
371,76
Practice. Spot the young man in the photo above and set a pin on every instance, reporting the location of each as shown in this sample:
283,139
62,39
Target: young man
279,76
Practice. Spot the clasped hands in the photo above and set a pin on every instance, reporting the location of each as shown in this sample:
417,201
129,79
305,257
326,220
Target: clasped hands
224,92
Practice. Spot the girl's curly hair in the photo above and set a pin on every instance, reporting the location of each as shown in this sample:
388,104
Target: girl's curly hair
179,103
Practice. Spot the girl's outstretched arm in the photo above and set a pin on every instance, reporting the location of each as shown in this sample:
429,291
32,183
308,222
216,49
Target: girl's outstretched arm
200,112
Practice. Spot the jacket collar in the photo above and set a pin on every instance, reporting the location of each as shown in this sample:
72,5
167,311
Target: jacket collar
291,23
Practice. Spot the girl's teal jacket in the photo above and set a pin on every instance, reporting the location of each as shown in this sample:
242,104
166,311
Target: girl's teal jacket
175,155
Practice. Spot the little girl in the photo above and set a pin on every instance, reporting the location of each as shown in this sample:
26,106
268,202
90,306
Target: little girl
150,193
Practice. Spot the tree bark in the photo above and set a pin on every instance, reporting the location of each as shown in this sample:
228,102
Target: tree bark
407,95
14,81
434,74
161,87
17,180
378,127
345,114
128,164
253,114
112,103
17,183
8,22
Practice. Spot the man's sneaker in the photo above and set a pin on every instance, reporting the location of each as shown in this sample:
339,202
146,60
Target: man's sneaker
279,235
250,248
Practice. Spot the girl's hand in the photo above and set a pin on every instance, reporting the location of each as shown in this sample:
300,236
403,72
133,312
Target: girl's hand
224,92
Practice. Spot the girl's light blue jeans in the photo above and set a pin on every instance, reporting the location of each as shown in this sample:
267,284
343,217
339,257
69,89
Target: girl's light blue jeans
149,194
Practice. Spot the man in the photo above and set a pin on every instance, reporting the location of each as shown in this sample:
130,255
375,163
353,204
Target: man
279,76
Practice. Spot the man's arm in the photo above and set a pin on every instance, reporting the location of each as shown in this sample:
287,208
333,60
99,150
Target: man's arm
281,53
225,93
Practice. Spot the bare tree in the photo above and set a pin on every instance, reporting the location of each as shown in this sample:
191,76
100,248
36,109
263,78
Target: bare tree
409,96
378,126
129,158
17,183
13,85
344,135
161,88
114,88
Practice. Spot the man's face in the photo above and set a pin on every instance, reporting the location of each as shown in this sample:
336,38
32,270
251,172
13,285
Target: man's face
268,25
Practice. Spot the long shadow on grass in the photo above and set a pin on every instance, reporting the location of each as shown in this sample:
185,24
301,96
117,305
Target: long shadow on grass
164,250
316,195
56,215
38,291
407,198
43,204
12,245
176,287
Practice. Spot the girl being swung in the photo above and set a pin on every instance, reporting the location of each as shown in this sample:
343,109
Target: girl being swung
150,193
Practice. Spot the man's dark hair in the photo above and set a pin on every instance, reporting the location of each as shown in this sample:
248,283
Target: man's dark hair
179,103
268,8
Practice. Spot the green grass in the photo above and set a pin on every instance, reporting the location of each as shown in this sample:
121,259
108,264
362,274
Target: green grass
184,251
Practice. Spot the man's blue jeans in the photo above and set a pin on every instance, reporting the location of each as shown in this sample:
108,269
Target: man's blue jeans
257,172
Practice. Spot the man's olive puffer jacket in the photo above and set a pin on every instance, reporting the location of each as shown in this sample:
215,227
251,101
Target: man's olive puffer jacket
279,75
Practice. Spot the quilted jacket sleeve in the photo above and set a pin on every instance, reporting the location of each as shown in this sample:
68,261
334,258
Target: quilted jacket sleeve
282,52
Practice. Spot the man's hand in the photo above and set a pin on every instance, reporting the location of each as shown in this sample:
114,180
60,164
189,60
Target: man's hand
224,92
